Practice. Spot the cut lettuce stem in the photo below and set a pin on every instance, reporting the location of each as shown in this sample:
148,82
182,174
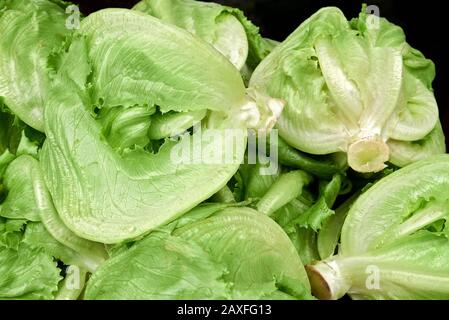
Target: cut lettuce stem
368,154
327,280
333,278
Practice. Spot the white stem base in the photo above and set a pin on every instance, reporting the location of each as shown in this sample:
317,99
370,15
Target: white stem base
368,154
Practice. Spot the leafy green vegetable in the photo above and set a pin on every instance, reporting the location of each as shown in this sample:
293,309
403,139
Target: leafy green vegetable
226,28
321,210
254,185
19,203
94,253
351,87
160,267
31,31
200,260
323,167
37,236
209,21
389,246
10,133
162,68
134,157
305,242
27,273
11,233
286,188
329,235
203,211
224,195
403,153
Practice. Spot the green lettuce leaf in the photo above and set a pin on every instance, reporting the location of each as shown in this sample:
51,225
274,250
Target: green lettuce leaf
320,211
403,153
265,263
37,236
27,273
11,233
226,28
19,202
140,70
200,261
31,31
159,267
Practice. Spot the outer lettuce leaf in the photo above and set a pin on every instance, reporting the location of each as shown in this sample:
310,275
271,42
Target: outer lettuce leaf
403,153
260,259
94,253
221,257
28,200
31,31
27,273
159,267
11,233
226,28
153,190
19,202
209,21
140,60
37,236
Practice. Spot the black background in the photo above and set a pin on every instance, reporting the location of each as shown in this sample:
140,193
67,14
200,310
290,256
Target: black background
425,24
